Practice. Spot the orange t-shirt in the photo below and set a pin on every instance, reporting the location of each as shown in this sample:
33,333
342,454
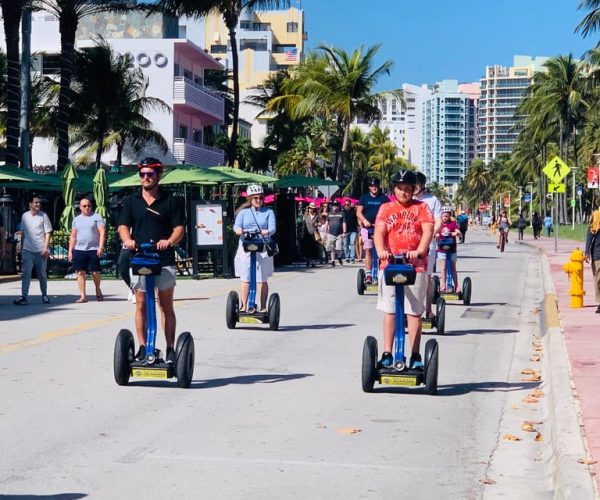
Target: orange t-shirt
404,228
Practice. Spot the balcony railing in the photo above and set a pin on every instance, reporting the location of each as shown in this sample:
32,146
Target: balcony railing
185,91
186,151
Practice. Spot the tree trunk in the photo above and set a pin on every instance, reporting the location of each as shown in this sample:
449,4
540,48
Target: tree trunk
231,23
344,153
68,28
11,12
120,147
100,140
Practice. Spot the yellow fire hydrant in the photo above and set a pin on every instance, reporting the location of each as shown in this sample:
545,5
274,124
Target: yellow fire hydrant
574,268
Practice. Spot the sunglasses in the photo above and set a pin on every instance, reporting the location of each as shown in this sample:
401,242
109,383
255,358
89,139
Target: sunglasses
147,174
85,206
258,197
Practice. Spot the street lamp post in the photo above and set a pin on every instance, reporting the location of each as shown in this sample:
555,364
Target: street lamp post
520,199
573,202
530,204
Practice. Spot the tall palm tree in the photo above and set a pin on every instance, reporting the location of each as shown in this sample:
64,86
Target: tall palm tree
591,21
335,83
359,161
109,101
69,13
230,10
382,154
11,14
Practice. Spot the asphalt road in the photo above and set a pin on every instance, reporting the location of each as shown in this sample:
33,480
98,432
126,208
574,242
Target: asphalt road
277,415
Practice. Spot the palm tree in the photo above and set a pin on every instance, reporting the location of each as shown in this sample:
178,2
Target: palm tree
359,161
591,21
109,101
12,11
382,154
335,83
230,10
69,13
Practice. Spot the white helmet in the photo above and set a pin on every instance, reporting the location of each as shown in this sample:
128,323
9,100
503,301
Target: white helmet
254,189
447,208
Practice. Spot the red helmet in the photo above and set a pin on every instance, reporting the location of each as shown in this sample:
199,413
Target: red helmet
150,162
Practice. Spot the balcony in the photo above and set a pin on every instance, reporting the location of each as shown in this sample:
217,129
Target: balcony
186,151
197,98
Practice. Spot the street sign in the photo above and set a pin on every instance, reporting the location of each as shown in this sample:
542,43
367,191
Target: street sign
573,203
556,170
527,197
557,188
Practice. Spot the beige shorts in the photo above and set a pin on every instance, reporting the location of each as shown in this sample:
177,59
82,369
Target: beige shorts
334,243
166,280
414,296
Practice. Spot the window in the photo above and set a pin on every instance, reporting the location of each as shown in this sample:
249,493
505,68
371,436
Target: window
198,80
197,135
258,45
50,64
279,48
218,49
188,74
183,131
251,26
292,27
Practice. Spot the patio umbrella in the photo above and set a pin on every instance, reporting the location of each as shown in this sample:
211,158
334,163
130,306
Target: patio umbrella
240,176
296,180
100,189
8,177
68,192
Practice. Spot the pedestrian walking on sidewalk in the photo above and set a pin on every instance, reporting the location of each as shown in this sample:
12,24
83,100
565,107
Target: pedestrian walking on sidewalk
86,246
536,224
548,224
521,225
36,230
592,250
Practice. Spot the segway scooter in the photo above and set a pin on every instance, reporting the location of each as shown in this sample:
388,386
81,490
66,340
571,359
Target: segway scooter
252,243
361,277
147,263
448,245
399,274
438,322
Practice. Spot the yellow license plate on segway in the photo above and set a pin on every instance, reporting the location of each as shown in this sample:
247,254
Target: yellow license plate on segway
251,320
398,380
149,373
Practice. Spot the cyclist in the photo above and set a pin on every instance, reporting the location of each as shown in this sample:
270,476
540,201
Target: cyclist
366,212
434,204
503,227
404,225
153,215
447,235
253,216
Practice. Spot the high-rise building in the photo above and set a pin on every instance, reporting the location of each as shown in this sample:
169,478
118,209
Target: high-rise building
267,41
502,90
449,121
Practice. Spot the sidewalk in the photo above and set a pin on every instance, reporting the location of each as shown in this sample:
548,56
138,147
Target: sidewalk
580,327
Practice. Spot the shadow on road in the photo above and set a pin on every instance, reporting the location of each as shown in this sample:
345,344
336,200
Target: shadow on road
59,496
460,389
478,331
332,326
488,304
249,379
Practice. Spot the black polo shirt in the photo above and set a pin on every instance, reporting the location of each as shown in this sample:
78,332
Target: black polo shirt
153,222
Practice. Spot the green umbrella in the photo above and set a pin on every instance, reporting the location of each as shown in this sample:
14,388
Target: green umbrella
296,180
68,191
100,189
43,182
132,180
243,177
7,176
190,174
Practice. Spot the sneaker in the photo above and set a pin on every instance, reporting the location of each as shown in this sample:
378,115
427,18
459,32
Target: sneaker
170,356
21,302
45,299
415,361
263,310
141,354
332,263
130,296
369,279
341,261
353,261
133,299
347,261
387,360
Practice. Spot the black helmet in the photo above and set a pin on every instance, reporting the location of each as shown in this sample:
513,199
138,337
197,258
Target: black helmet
150,162
421,178
374,181
404,176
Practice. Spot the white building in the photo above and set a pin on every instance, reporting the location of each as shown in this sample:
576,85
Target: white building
174,68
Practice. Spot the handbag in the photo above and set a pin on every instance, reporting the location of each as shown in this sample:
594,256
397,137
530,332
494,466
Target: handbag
271,247
317,236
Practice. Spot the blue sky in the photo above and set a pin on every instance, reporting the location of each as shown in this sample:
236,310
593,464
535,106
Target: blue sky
432,40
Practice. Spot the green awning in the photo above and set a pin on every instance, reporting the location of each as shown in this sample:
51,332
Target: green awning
296,180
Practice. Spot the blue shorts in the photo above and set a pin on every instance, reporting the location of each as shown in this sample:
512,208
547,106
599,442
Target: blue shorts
86,260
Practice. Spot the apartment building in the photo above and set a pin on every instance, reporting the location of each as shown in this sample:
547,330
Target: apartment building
449,122
174,68
502,90
267,41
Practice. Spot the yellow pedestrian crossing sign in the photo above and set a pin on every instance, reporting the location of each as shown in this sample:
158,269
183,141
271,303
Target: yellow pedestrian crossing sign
557,188
556,170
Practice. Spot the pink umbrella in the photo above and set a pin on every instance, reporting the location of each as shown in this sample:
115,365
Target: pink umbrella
270,198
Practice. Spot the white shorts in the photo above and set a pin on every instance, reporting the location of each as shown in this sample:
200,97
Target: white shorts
367,243
264,266
431,259
414,296
166,280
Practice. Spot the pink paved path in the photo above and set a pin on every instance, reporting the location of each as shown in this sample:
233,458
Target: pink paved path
582,335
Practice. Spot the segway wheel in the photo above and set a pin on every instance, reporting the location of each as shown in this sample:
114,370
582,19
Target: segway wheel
274,311
360,282
440,316
431,366
466,291
184,359
232,310
436,288
369,363
123,356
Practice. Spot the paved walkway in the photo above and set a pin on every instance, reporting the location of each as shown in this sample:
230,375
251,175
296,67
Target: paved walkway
580,327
